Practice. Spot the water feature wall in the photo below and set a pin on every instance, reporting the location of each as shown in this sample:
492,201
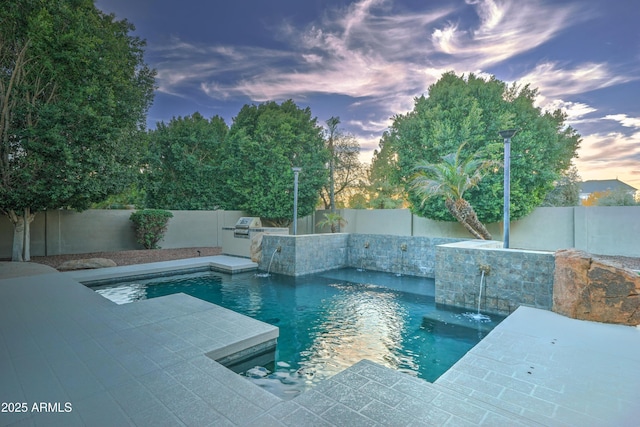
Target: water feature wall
410,255
513,277
306,254
314,253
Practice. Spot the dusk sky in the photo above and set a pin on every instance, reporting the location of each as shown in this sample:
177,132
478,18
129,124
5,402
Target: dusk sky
366,61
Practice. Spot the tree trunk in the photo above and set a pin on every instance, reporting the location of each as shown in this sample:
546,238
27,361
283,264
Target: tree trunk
21,250
464,213
18,236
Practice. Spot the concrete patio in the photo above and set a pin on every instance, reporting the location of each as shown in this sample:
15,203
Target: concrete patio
92,362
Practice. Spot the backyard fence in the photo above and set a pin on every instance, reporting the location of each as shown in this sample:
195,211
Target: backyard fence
598,230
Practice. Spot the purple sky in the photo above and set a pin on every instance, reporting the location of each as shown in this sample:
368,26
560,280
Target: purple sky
365,61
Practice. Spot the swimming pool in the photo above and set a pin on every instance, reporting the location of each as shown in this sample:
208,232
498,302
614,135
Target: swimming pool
330,321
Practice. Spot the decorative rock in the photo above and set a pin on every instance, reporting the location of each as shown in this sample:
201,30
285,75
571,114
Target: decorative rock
589,288
255,250
89,263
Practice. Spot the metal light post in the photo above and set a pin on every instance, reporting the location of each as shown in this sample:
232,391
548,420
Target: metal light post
295,199
506,135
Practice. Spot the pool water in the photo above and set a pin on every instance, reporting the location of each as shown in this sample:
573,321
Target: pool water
332,320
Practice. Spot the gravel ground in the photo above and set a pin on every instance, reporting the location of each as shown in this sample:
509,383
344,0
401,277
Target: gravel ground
132,257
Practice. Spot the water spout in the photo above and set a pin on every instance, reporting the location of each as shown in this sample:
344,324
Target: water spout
478,316
366,246
403,249
267,274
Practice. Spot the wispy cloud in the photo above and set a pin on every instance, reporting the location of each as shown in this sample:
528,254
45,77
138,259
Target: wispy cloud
554,80
624,120
506,28
605,156
368,51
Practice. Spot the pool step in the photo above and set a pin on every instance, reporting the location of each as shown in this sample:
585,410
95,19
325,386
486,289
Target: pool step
435,317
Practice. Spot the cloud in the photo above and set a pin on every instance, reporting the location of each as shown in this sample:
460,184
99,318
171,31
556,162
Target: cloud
554,81
611,155
624,120
575,111
506,28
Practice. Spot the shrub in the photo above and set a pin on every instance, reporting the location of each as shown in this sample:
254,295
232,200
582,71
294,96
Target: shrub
150,225
333,220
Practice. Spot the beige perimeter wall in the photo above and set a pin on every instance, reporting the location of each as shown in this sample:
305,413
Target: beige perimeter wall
599,230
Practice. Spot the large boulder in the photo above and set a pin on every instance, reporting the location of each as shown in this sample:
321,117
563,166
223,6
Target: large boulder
589,288
88,263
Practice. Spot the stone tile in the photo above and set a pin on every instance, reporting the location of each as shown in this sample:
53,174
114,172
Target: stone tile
425,414
460,408
386,395
198,413
304,418
527,402
341,415
133,397
351,378
386,415
349,397
314,401
101,410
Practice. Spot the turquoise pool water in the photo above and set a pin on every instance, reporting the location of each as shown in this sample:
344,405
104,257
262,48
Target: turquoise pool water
332,320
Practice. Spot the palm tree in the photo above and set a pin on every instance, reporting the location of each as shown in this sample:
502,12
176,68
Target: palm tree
333,220
451,179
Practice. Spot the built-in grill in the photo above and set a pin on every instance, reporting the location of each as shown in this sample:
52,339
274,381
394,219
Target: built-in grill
241,229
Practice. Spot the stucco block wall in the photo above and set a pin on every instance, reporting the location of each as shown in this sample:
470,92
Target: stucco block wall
57,232
516,277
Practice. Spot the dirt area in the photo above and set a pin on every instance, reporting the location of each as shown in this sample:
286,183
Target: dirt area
132,257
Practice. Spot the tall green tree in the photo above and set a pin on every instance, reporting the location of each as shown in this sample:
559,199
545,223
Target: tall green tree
183,167
264,142
473,110
450,180
74,92
384,189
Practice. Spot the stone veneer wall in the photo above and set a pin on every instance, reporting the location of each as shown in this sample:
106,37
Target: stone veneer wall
515,277
411,255
307,254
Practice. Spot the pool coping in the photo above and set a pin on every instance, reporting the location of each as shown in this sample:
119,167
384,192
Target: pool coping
535,368
220,263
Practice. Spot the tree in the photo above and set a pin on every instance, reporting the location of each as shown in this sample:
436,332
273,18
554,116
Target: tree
263,144
566,191
332,219
617,197
345,169
183,167
451,179
150,225
384,190
74,92
473,110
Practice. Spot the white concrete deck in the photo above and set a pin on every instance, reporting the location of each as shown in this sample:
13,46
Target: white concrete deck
144,364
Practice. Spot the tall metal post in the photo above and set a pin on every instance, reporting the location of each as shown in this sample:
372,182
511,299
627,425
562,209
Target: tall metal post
506,135
295,199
